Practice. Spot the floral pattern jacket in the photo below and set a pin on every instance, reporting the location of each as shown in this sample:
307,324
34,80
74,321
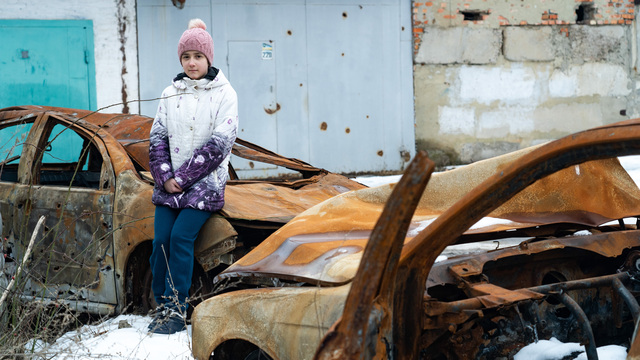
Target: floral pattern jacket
191,139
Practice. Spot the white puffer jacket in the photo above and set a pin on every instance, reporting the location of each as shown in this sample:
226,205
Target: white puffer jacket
191,139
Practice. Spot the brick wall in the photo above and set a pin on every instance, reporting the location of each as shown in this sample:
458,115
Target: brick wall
495,76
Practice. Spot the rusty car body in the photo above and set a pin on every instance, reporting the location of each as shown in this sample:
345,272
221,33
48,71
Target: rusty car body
356,276
88,174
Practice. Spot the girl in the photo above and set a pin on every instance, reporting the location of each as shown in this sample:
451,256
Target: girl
190,145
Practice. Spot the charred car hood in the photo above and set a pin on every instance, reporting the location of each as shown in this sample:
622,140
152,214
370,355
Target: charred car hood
324,244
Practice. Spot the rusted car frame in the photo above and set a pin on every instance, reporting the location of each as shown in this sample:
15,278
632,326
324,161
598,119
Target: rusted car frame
326,280
93,253
372,339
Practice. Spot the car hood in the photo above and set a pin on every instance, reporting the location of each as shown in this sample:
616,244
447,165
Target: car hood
323,245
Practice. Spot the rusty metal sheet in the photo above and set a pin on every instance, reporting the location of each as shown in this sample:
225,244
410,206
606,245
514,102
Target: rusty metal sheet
606,244
371,292
420,253
401,320
588,194
270,202
295,317
491,295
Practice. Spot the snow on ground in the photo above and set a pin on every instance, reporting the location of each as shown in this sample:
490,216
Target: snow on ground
123,337
114,339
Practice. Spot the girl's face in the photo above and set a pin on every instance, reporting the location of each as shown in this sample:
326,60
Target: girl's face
194,64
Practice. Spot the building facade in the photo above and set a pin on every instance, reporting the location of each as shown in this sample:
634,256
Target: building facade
354,87
495,76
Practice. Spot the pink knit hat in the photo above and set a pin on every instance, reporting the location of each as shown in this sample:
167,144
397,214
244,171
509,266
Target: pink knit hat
196,38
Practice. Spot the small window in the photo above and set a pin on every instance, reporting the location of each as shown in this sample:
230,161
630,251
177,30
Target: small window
70,159
11,140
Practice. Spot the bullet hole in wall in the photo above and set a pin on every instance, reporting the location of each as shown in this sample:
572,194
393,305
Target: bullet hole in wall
623,112
585,13
289,32
251,164
344,14
323,126
347,130
473,15
273,111
405,155
380,153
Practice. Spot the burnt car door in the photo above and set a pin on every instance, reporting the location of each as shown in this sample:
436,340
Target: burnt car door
73,186
16,153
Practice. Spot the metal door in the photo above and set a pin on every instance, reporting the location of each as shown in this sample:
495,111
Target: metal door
252,63
47,63
341,74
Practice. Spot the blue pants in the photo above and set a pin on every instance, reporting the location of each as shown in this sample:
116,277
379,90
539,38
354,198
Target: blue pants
176,231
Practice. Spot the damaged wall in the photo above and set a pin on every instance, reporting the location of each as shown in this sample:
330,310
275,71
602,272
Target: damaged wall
115,42
492,77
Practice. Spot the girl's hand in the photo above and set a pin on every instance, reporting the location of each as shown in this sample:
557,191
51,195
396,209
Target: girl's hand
171,186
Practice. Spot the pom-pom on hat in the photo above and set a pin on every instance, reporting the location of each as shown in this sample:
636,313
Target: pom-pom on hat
196,38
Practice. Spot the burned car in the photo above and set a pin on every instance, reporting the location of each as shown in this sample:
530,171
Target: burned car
87,173
356,276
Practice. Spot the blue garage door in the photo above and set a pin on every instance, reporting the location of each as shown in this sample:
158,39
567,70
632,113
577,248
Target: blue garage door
47,62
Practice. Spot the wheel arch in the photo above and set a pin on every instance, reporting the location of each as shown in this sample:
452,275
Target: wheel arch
136,267
233,349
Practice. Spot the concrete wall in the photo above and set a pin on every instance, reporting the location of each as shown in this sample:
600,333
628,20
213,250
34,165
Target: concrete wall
516,74
115,41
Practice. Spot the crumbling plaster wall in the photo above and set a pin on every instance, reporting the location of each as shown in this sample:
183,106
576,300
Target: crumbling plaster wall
115,42
519,73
